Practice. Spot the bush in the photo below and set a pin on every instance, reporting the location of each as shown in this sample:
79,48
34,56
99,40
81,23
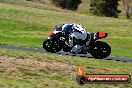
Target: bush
107,8
67,4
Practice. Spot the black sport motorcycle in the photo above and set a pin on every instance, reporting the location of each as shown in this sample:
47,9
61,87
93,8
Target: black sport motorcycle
58,41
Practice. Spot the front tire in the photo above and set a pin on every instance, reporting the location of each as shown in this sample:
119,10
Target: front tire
100,50
51,46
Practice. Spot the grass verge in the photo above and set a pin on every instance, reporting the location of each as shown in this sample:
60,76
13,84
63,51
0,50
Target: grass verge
40,70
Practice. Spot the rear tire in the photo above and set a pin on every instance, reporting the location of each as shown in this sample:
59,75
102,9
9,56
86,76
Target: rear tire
51,46
100,50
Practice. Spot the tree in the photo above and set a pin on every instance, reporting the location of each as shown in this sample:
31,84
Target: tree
128,8
105,8
67,4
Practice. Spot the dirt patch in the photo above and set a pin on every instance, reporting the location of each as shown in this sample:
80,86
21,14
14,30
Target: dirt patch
11,63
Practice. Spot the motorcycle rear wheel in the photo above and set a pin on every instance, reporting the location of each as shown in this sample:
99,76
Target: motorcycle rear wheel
100,50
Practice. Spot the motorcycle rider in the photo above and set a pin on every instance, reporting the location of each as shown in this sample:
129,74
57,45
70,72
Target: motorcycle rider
76,33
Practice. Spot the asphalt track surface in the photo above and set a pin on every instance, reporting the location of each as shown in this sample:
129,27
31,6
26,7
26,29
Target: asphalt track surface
129,60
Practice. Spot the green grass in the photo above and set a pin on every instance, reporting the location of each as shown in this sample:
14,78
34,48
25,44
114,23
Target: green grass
31,4
57,76
27,24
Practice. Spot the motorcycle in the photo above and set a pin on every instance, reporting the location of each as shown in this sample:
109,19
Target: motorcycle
58,41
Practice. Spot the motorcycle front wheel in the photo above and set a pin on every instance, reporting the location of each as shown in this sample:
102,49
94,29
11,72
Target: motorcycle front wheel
50,45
